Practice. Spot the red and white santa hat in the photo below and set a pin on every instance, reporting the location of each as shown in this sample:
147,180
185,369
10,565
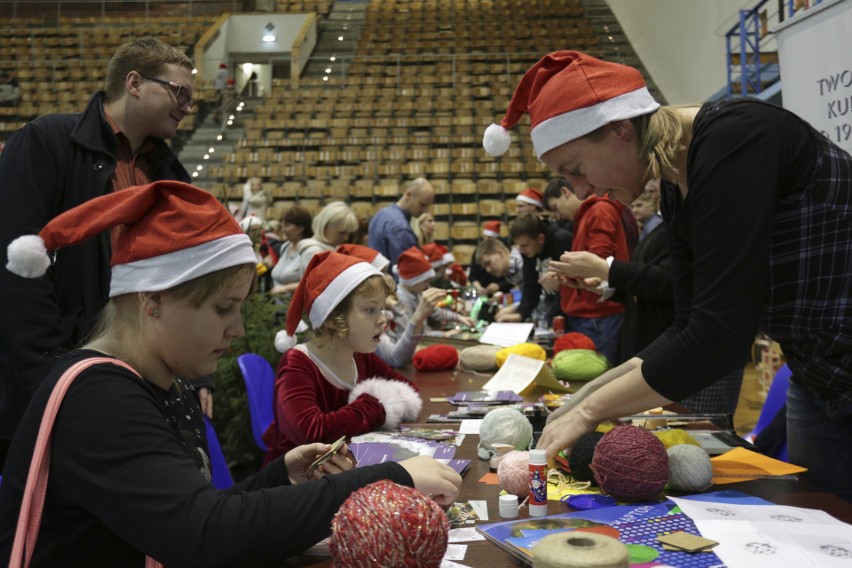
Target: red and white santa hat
166,233
368,254
567,95
491,229
413,267
437,254
328,279
532,196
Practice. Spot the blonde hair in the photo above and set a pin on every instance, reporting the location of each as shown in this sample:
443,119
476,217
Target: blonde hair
418,230
660,136
123,314
334,213
488,247
336,324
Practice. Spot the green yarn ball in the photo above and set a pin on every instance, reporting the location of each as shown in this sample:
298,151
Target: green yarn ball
578,365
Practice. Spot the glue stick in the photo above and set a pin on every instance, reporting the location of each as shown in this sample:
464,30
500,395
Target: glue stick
538,483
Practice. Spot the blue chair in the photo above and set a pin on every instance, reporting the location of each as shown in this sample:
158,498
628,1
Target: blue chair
221,474
260,386
776,398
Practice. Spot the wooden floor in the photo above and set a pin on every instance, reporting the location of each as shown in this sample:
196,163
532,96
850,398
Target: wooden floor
752,396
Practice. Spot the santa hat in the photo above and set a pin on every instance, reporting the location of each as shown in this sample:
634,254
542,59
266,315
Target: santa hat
223,66
372,256
567,95
413,267
438,255
491,229
171,232
532,196
327,280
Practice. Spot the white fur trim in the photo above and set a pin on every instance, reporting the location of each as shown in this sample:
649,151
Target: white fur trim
448,258
490,233
27,257
380,261
530,200
414,280
166,271
338,289
496,140
569,126
400,400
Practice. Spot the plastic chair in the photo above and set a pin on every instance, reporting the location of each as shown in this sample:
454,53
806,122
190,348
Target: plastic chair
221,474
260,386
776,398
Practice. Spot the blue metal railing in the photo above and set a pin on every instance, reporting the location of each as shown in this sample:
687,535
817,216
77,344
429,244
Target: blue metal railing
743,44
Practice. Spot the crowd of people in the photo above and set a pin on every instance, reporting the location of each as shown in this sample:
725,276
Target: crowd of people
135,280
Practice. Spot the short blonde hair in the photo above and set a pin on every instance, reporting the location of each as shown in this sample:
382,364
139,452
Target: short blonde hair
334,213
418,230
336,324
488,247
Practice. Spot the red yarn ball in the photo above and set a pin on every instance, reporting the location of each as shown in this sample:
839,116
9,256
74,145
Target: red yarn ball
436,358
573,340
385,524
631,464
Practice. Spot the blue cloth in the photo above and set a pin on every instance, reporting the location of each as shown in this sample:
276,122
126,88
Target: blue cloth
819,437
391,234
649,225
604,331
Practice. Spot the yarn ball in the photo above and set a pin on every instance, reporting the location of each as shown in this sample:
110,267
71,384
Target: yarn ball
674,437
631,464
385,524
504,425
479,358
436,358
690,468
530,350
513,472
578,365
573,340
580,457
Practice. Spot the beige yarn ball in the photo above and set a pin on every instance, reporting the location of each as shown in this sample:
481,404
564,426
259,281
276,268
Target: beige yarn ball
482,358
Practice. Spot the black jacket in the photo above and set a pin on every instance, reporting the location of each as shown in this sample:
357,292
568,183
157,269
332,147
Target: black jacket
556,241
52,165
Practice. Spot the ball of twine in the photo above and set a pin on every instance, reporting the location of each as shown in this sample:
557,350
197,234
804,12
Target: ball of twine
513,472
580,457
690,468
504,425
385,524
631,464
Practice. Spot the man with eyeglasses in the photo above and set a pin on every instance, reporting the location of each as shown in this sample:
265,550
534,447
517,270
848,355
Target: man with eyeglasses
58,162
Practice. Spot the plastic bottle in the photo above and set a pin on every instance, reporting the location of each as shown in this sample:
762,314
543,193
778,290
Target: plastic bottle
538,483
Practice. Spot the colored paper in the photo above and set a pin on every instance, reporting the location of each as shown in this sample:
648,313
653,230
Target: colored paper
741,464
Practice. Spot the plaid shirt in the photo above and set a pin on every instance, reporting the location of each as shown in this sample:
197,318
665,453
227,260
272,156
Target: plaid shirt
763,239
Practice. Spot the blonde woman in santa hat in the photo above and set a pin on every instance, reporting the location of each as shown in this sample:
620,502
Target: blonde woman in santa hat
334,384
127,467
758,207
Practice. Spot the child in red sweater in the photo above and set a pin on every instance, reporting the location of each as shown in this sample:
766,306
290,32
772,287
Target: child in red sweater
334,385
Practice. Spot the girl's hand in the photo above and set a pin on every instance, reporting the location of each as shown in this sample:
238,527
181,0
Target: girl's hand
300,458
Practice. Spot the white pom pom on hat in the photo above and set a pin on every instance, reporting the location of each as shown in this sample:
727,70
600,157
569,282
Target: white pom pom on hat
569,94
496,140
28,257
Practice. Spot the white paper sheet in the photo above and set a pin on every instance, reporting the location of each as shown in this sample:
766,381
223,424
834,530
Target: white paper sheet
506,334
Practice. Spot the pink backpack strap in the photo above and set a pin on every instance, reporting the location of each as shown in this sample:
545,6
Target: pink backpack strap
32,504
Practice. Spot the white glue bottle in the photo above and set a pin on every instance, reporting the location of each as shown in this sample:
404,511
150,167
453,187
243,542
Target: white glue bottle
538,483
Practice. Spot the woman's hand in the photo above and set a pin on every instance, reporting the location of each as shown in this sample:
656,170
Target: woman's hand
439,481
580,265
300,458
564,431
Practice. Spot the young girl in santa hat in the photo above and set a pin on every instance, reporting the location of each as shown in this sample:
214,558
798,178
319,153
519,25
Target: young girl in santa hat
334,385
404,330
127,456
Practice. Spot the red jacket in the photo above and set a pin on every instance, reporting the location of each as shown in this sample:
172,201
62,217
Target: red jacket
598,228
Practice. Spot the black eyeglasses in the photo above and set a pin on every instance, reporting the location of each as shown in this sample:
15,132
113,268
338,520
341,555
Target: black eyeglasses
181,95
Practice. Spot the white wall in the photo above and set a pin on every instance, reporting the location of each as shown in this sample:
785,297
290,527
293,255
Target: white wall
681,42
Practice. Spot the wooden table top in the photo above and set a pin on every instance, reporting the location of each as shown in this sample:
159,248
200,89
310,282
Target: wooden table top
798,493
